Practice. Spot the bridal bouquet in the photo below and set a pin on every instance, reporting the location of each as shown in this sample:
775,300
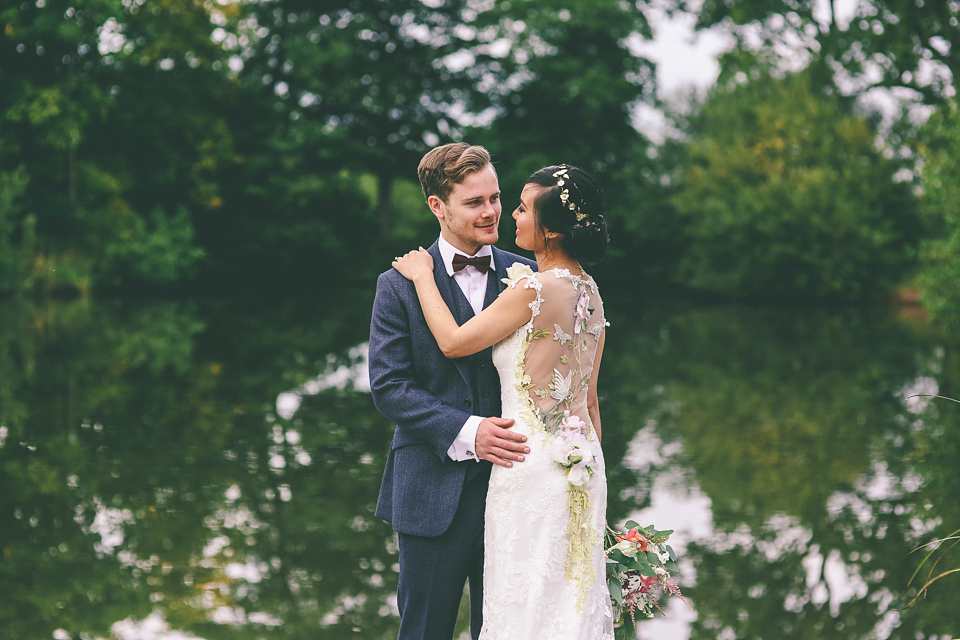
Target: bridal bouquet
639,564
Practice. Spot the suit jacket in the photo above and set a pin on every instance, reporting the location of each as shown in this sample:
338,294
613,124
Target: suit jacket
428,396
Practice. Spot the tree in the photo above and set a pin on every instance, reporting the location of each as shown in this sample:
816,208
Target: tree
111,110
368,85
567,86
565,91
893,44
783,193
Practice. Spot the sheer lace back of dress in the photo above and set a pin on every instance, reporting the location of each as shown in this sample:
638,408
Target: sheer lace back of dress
562,339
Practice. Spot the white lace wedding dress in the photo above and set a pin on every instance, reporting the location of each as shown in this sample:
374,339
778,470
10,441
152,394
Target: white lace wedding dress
544,567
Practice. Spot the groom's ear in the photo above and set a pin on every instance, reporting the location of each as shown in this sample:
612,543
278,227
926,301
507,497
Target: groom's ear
437,206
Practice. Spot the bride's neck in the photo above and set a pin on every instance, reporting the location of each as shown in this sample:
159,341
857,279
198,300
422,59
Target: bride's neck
557,260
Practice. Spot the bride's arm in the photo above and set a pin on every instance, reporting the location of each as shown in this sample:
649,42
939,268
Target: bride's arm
593,401
509,312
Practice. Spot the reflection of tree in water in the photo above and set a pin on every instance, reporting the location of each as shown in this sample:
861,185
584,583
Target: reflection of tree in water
300,521
146,467
794,428
142,470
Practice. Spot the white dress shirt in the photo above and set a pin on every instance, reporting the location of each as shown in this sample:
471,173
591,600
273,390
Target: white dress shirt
473,283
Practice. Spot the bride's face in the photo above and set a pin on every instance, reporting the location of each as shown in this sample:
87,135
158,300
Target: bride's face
529,236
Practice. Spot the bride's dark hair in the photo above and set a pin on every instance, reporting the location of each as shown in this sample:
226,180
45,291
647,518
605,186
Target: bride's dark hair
571,204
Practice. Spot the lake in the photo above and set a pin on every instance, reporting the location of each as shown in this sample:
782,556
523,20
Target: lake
208,468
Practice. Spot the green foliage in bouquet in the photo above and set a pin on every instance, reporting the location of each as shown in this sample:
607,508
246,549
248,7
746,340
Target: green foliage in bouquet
639,568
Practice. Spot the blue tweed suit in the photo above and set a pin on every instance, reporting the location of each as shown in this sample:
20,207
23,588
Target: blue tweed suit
434,503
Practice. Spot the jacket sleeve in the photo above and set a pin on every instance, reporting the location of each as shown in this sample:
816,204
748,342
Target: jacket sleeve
397,394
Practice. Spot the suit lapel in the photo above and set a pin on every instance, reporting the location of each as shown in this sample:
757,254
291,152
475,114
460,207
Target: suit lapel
495,285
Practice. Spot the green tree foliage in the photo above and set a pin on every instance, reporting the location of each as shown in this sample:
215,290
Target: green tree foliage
568,83
940,259
565,91
367,83
902,44
112,110
783,192
269,142
341,101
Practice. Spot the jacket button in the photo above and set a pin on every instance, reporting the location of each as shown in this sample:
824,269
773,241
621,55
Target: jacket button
466,403
484,394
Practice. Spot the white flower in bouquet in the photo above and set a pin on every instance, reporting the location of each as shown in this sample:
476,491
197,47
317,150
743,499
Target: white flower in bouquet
572,452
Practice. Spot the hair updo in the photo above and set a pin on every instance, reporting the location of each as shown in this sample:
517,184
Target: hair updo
573,209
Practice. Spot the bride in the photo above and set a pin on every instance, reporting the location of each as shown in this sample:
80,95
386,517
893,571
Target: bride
544,565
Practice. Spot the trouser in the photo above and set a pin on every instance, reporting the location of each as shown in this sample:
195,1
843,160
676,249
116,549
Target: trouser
433,571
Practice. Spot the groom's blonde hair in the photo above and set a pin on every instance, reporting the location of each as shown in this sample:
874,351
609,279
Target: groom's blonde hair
448,165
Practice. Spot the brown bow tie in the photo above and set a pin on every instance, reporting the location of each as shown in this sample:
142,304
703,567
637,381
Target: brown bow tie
482,263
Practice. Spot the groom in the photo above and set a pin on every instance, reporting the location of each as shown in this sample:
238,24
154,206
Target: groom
435,481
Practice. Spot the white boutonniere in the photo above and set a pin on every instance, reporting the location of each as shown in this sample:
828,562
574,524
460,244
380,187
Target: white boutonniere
516,271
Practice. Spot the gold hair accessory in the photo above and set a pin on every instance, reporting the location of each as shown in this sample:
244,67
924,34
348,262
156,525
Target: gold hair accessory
563,177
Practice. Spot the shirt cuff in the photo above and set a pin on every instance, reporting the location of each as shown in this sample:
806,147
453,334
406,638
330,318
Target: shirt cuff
465,444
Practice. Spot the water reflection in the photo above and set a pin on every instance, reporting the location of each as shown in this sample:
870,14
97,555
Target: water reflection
209,469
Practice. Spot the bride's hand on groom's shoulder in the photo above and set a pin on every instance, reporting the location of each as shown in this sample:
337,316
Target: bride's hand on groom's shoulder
414,264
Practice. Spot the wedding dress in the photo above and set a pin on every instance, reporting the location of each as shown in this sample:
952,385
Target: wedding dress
544,566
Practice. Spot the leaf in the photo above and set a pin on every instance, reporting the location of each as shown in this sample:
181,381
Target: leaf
929,582
619,556
673,555
616,591
952,536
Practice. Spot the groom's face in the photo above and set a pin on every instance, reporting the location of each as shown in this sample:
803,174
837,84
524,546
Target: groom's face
470,216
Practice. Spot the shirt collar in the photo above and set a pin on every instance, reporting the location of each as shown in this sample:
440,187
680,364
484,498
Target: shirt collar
447,251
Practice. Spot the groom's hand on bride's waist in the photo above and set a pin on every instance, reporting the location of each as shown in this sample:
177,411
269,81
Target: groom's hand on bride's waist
498,444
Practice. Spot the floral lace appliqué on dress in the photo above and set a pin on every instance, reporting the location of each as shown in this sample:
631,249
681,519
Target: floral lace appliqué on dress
544,566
